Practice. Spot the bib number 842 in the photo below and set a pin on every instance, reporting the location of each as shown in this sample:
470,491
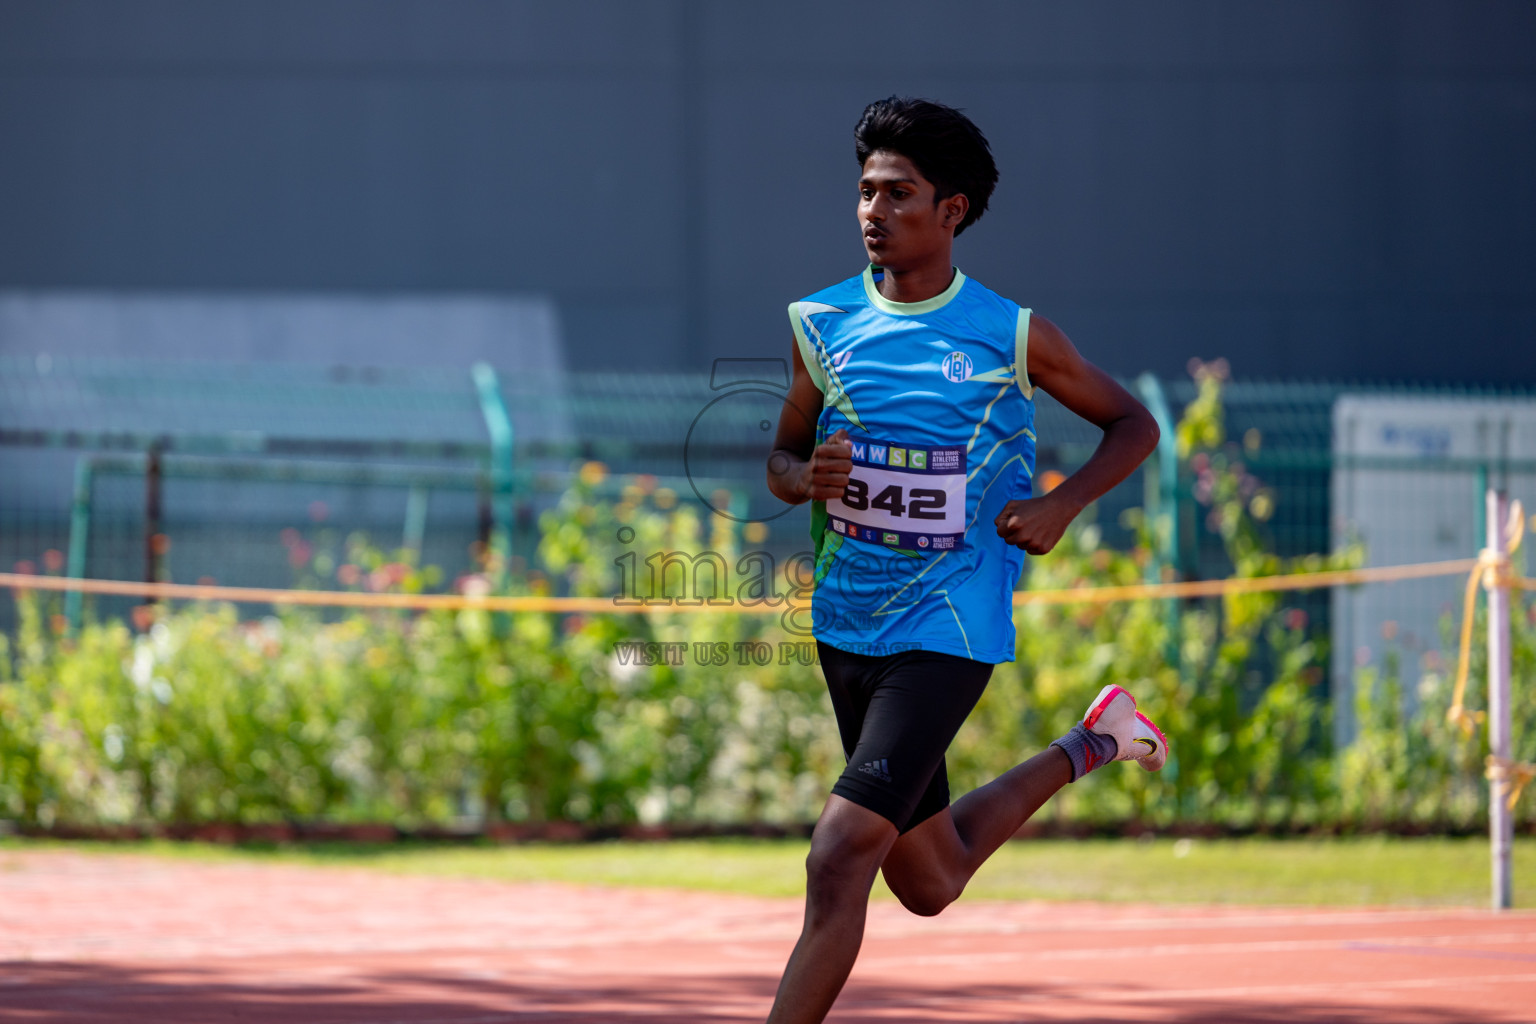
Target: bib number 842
921,502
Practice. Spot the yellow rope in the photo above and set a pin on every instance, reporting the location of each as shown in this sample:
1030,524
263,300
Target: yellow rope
1458,715
1493,569
1516,773
1246,584
326,598
537,603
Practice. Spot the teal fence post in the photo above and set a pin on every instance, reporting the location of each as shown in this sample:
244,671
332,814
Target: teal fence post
1162,491
79,539
1479,507
1162,505
415,520
498,425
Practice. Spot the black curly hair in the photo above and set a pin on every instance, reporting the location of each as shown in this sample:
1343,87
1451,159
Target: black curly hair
942,143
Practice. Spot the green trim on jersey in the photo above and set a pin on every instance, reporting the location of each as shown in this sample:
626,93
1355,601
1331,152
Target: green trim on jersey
885,305
1021,354
827,542
808,354
818,361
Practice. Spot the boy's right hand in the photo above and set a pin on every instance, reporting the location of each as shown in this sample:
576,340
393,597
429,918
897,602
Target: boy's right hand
826,472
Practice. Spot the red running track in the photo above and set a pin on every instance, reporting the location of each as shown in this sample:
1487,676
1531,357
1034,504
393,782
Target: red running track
106,937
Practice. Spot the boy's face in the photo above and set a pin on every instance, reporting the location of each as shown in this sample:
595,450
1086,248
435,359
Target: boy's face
902,225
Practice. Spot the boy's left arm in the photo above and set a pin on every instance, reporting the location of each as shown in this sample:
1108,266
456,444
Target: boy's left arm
1130,435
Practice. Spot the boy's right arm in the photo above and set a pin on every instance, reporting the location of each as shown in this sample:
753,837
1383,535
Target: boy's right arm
1130,435
799,469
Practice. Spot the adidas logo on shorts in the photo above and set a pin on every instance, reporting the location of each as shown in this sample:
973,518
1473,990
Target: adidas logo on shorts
879,769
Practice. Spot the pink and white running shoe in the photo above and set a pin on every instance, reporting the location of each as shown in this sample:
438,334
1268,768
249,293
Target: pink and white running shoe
1113,713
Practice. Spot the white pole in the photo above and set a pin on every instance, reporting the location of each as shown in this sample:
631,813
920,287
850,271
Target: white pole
1500,823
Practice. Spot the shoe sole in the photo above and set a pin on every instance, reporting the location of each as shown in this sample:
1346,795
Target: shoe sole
1161,739
1153,726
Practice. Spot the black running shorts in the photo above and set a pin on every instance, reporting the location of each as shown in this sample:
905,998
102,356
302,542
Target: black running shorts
897,715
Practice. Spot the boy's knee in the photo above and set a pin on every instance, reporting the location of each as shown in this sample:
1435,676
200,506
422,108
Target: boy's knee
837,863
842,863
926,898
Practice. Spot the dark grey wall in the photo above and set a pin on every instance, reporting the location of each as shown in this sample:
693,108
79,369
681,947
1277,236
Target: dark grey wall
1325,188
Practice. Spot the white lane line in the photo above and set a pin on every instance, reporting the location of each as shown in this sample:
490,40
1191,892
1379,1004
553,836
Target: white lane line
1352,987
1405,944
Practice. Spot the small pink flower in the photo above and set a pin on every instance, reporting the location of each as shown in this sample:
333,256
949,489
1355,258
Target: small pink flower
472,585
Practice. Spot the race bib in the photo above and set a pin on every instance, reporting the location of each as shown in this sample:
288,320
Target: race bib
903,497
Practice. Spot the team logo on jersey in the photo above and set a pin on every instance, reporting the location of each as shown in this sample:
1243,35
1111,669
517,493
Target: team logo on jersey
891,538
957,367
922,542
840,361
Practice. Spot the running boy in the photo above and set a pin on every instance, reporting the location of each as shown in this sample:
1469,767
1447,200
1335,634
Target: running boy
909,427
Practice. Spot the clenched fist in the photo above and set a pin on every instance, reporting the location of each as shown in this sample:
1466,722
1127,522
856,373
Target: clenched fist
1035,524
825,475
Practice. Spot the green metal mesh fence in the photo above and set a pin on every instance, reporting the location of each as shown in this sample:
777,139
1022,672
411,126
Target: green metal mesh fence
244,471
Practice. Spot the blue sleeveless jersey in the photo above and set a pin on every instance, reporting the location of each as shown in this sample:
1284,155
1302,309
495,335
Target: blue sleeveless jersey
936,398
